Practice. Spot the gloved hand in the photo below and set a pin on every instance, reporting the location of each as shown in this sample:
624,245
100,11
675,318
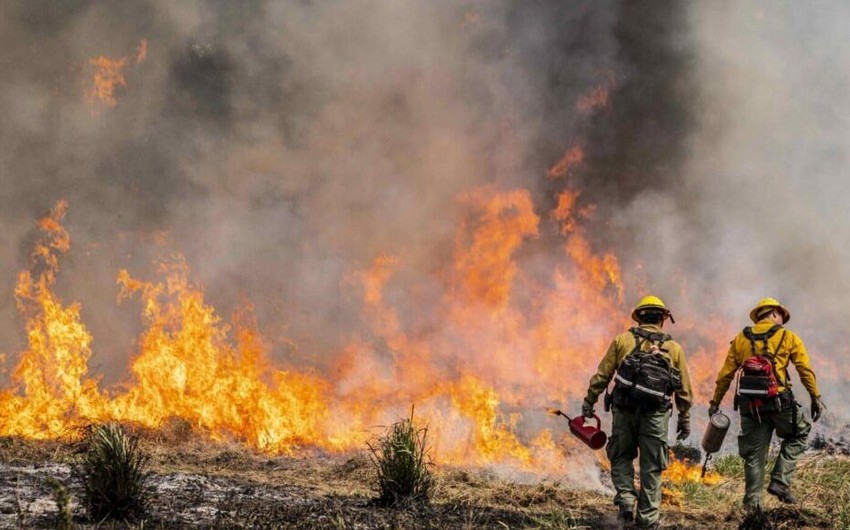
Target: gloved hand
713,409
587,409
818,406
683,426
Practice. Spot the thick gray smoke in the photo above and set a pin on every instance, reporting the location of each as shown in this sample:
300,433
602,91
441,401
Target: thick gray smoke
768,168
284,145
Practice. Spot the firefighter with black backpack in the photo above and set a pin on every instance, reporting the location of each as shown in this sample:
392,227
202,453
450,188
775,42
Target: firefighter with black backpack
761,354
649,372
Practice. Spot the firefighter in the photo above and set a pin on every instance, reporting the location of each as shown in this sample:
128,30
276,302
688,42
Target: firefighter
641,408
761,416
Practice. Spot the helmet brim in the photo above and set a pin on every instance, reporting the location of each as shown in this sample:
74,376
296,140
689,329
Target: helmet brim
786,315
667,313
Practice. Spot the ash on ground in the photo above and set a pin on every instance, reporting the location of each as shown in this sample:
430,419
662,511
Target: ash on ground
830,445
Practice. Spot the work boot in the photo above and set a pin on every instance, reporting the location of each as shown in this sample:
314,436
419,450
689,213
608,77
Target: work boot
781,492
625,517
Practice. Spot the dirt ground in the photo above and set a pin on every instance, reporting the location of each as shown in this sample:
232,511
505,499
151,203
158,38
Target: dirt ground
205,485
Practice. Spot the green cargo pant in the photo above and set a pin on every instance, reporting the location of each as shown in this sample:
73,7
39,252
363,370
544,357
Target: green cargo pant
634,432
754,442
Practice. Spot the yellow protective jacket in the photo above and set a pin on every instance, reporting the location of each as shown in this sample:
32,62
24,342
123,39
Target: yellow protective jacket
792,349
622,345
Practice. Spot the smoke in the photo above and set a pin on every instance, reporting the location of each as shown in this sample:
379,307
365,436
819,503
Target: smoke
282,146
767,167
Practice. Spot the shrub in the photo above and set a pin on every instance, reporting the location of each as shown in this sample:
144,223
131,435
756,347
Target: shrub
113,473
401,457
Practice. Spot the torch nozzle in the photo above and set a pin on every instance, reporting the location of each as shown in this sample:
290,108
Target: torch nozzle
705,464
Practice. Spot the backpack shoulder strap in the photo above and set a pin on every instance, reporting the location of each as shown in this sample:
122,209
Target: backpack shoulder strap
651,335
638,335
770,355
748,332
764,337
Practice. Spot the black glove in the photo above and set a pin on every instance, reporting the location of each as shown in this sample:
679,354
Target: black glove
587,409
818,406
683,427
713,409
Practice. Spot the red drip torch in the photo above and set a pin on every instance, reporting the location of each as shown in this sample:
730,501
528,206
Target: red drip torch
593,436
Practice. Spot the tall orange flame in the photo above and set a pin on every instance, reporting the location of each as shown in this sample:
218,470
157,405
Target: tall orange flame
493,356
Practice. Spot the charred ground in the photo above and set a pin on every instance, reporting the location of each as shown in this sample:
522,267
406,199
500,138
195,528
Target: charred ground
200,484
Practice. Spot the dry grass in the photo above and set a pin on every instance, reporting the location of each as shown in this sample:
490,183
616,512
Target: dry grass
825,484
316,491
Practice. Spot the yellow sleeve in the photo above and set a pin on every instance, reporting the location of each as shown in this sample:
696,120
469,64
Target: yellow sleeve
727,373
800,357
684,397
599,381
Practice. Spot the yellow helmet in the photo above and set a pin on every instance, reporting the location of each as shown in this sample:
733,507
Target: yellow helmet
771,303
651,302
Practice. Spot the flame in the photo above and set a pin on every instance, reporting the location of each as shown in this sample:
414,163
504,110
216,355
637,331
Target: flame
473,362
573,158
49,385
505,336
185,357
485,263
680,473
597,98
471,380
109,75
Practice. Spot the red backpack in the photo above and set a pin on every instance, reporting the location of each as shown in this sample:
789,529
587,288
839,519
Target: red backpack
758,381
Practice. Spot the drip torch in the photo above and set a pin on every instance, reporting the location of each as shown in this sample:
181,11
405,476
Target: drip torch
712,440
593,437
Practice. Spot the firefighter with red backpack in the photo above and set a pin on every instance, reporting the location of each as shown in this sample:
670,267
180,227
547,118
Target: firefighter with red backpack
650,376
761,354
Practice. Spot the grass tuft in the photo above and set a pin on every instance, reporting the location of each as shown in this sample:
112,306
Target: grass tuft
401,457
64,520
730,465
113,471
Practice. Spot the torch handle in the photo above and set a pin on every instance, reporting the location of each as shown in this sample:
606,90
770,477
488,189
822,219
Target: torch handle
705,464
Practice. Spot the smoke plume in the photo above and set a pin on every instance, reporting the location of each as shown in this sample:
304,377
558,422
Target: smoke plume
282,147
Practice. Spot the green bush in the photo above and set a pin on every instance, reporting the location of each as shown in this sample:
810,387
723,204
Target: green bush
113,473
401,457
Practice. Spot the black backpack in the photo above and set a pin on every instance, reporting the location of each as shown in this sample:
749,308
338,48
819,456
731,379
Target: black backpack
646,379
